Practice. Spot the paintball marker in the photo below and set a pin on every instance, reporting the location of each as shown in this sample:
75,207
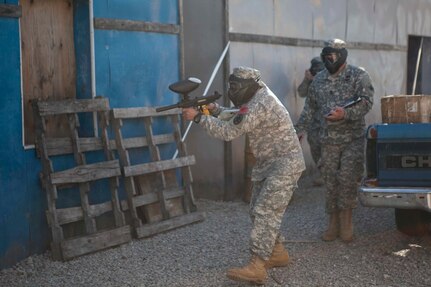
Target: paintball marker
183,88
348,104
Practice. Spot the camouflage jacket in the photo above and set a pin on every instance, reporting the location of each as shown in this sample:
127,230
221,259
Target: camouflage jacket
272,136
303,93
327,92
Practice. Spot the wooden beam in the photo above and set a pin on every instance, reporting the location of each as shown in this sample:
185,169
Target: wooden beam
298,42
10,11
87,173
50,108
131,25
82,245
151,167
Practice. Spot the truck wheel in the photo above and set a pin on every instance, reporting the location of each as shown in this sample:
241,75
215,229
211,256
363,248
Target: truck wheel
413,222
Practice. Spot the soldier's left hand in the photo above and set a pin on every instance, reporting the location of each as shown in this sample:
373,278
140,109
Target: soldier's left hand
336,114
189,113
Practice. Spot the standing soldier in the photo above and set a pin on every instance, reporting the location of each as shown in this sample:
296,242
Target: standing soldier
313,138
279,164
341,133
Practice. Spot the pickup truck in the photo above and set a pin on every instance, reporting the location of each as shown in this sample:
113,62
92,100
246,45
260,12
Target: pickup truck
398,174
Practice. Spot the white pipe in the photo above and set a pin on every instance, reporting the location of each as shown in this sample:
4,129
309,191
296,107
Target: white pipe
92,63
418,61
214,73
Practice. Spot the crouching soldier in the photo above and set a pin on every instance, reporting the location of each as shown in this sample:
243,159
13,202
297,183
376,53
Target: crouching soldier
279,164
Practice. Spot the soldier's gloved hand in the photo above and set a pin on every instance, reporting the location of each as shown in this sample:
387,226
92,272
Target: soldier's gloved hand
308,75
336,114
190,113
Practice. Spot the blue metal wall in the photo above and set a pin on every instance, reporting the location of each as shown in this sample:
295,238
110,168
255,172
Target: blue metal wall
132,69
135,68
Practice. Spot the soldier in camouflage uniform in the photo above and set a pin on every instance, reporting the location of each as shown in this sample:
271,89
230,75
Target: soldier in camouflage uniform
313,138
342,133
279,164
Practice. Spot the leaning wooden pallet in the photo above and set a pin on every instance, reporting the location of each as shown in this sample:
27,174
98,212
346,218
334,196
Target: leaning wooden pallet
159,191
81,178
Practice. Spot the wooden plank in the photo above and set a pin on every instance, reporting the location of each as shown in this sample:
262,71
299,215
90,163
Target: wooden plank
49,108
130,113
149,198
133,25
10,11
169,224
151,167
98,241
87,173
298,42
143,142
60,146
73,214
48,58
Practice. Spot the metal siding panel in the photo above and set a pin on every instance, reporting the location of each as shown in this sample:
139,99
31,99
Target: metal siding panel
386,26
162,11
360,21
251,16
294,18
135,69
14,226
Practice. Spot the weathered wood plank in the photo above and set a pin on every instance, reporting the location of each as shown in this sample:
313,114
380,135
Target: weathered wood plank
143,142
146,168
87,173
149,198
132,25
48,58
169,224
60,146
129,113
49,108
298,42
73,214
83,245
10,11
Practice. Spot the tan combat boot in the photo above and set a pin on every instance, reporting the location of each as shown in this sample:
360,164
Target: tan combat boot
279,256
254,272
346,225
334,227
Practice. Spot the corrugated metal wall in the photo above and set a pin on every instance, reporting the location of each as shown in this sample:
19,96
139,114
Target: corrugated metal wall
280,37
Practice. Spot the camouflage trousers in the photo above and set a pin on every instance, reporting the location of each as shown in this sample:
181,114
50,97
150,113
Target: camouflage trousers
315,145
342,167
268,203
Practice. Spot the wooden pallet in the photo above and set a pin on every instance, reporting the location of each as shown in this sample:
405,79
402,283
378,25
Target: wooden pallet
159,191
96,232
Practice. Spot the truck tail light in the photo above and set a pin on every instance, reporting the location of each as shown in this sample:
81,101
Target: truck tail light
372,132
371,182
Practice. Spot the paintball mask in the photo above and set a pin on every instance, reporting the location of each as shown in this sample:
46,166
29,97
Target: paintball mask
334,55
243,84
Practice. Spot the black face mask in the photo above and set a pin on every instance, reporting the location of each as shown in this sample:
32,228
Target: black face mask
241,90
334,66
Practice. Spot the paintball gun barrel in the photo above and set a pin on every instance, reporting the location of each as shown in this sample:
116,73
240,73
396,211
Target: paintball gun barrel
349,104
183,88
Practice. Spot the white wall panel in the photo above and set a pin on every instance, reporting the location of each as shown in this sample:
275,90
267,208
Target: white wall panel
360,21
329,19
251,16
366,21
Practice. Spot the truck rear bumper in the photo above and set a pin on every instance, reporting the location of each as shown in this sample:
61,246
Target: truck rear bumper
408,198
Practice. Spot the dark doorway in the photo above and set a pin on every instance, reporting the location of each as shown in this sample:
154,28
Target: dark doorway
419,72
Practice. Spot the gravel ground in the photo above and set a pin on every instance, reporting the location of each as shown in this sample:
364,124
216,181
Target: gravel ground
199,254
